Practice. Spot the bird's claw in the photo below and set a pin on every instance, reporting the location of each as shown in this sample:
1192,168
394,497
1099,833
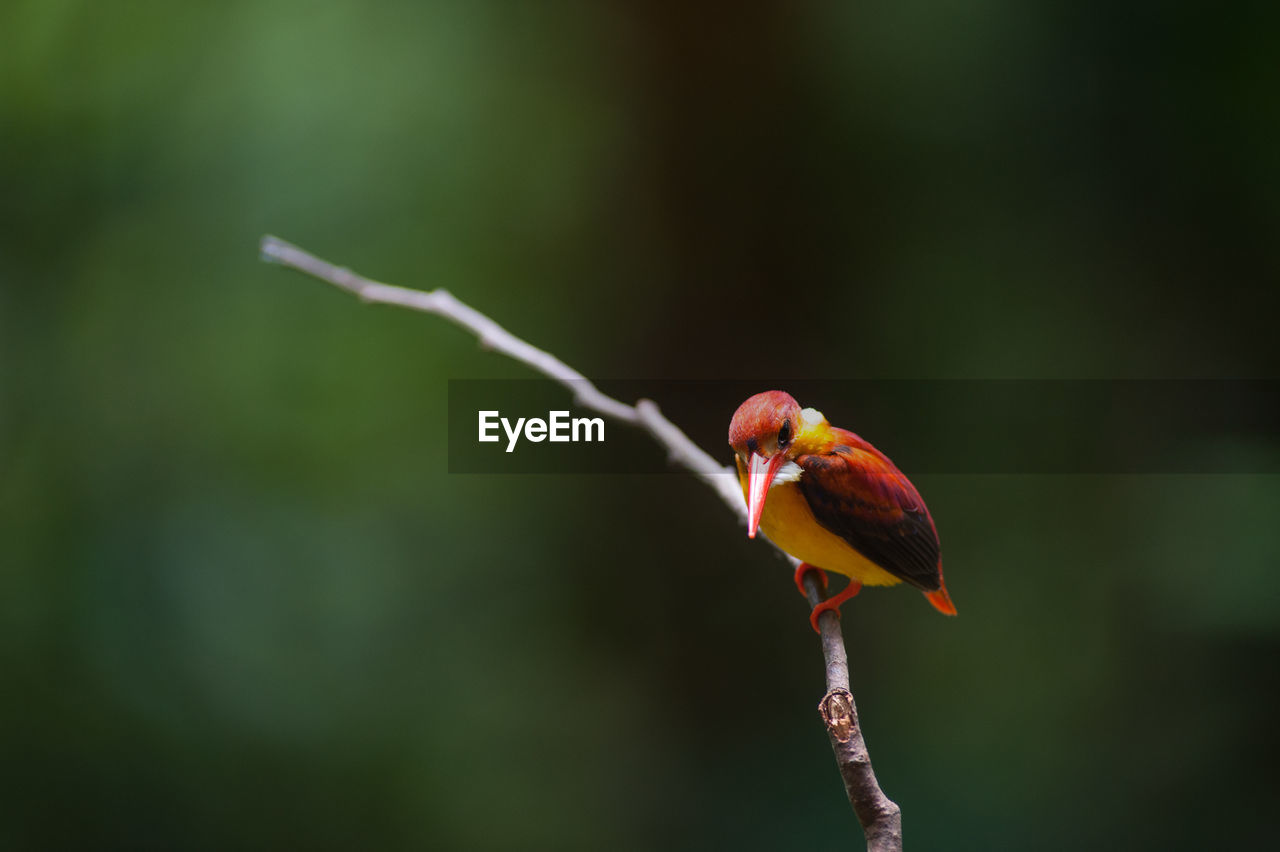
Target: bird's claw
832,604
804,569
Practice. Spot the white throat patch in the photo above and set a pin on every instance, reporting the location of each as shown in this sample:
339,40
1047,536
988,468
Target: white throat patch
789,472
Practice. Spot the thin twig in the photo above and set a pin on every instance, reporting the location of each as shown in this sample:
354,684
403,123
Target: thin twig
881,819
880,816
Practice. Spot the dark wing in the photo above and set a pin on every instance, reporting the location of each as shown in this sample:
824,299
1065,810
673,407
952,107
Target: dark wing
855,492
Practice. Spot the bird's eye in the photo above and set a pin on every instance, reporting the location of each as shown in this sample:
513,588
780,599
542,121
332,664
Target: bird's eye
784,434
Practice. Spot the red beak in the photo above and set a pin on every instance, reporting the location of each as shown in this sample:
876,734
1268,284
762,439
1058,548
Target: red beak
760,474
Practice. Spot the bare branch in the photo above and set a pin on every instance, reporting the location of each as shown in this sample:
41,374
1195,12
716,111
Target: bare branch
881,819
442,303
880,816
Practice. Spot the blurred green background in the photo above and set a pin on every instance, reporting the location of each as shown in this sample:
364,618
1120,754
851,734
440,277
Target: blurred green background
244,605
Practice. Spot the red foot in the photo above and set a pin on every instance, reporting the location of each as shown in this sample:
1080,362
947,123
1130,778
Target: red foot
805,568
832,604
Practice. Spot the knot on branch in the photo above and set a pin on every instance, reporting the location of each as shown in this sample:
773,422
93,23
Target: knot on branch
837,712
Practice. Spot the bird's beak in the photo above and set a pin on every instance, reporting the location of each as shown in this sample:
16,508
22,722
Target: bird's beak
760,474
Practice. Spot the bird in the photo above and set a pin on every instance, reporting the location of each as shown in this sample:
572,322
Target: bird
833,501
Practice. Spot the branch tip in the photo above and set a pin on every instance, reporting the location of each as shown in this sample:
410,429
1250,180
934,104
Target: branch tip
267,248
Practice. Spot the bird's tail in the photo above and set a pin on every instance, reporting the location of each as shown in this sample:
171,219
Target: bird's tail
941,601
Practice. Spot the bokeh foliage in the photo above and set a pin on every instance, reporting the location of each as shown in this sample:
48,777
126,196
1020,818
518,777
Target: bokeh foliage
244,606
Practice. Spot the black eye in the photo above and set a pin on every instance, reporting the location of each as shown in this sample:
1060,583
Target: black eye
784,434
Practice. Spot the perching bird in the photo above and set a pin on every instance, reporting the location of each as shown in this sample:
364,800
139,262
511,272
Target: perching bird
833,501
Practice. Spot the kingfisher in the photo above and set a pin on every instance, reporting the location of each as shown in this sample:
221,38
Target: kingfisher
834,502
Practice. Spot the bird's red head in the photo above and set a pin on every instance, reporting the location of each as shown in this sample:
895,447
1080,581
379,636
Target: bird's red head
763,433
